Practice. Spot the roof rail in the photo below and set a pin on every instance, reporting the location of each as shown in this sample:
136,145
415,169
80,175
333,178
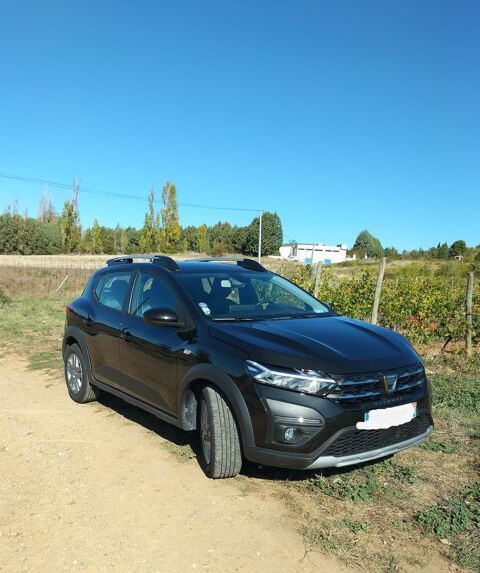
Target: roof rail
242,262
160,260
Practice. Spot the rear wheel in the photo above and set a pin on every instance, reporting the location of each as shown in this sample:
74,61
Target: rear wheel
77,376
221,450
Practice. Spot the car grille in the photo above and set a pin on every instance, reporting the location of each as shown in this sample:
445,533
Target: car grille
355,389
356,441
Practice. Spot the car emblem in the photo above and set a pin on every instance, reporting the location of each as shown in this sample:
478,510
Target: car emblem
390,382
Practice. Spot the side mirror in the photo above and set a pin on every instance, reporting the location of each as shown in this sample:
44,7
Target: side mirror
162,317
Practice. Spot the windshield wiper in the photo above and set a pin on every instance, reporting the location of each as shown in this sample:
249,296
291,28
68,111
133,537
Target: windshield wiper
234,318
297,315
254,318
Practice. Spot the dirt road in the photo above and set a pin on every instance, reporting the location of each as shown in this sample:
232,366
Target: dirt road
93,488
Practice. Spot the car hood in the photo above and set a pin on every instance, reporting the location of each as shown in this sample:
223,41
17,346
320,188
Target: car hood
334,344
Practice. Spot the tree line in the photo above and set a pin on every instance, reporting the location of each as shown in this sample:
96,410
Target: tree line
366,245
52,233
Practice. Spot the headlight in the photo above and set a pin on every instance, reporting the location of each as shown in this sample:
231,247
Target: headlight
306,381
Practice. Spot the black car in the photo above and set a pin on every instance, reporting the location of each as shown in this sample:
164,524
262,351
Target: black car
259,367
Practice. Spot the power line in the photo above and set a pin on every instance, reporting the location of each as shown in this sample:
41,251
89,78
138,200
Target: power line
94,191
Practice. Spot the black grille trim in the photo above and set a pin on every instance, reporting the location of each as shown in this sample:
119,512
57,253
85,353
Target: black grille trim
356,389
354,441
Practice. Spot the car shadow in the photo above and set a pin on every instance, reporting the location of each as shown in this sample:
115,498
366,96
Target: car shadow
281,474
150,422
191,440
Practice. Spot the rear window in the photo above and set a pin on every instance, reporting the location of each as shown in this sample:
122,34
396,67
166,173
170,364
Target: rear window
111,289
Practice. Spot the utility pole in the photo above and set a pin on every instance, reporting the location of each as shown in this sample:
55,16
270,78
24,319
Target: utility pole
260,237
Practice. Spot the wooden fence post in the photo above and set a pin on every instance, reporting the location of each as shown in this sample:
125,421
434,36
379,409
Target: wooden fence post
378,290
469,315
317,279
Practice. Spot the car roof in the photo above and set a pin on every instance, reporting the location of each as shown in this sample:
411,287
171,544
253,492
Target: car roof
203,267
197,266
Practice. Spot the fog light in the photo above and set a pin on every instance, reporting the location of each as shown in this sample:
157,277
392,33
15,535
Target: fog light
284,434
289,434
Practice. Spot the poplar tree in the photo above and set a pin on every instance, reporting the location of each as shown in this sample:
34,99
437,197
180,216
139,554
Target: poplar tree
203,243
97,238
170,235
123,241
70,222
149,235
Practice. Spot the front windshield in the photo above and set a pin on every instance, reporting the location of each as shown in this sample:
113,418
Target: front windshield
248,296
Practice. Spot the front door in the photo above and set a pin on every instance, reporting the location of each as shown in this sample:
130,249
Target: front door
149,353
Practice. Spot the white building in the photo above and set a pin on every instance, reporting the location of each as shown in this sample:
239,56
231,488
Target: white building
319,252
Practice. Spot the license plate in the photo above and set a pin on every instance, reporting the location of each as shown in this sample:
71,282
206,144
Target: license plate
388,417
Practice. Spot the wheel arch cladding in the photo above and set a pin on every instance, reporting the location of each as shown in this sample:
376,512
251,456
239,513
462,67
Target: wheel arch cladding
74,336
206,374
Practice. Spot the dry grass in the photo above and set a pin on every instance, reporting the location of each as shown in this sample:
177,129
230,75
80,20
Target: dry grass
90,262
43,282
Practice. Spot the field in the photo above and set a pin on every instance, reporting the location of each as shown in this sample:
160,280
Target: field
419,510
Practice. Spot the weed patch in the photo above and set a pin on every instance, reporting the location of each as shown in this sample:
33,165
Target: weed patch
365,483
183,452
4,298
456,522
440,445
49,359
353,525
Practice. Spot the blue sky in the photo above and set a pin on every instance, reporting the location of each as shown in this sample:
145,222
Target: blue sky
339,115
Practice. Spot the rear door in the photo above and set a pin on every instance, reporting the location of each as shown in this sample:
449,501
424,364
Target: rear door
105,325
150,353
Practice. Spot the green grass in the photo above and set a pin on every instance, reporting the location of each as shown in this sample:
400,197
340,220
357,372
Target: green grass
353,525
444,446
456,521
366,483
45,360
4,298
33,329
458,391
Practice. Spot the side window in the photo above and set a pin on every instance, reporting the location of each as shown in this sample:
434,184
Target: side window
112,288
99,286
151,291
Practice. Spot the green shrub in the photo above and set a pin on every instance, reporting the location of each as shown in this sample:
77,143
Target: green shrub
456,520
4,298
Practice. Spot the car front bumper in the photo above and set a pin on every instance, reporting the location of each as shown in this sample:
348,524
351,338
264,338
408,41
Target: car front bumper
332,438
340,461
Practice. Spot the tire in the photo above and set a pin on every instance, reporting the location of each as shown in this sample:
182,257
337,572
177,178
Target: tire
221,451
77,376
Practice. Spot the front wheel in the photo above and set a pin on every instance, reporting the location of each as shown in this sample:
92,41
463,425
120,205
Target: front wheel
221,450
